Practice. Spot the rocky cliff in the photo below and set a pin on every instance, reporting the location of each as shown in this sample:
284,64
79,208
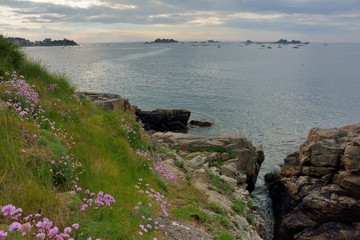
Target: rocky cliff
317,193
223,169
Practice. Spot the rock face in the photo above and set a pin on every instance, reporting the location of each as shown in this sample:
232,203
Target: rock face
234,157
174,120
317,194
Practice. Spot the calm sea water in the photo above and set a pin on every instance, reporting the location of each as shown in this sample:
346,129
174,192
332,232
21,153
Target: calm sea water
272,96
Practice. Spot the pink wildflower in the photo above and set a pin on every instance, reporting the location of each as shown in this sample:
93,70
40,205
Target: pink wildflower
41,236
3,235
25,228
14,226
75,226
8,210
84,207
53,231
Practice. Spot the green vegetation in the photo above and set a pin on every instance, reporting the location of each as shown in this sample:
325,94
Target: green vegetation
223,236
220,185
190,213
58,145
39,164
216,208
238,206
245,209
208,149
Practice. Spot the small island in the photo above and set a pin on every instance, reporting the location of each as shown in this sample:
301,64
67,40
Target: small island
163,40
284,41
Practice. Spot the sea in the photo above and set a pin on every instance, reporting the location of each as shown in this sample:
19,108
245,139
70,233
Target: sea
272,94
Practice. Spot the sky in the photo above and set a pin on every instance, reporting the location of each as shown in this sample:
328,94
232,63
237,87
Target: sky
184,20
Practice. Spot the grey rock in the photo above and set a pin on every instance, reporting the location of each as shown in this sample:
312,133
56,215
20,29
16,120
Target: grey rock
351,158
317,194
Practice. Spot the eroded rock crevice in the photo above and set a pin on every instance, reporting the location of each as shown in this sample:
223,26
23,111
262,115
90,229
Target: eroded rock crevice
316,195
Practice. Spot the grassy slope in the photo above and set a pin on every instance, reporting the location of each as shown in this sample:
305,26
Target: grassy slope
104,149
108,160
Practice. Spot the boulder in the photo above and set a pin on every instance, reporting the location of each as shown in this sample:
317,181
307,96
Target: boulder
201,123
316,195
163,120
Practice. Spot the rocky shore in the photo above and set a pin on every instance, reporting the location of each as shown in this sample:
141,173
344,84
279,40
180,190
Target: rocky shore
232,160
317,193
222,168
174,120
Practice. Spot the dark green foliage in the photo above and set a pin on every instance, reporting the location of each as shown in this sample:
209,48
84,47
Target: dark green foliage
238,206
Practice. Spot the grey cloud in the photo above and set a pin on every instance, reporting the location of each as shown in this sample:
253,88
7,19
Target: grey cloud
311,16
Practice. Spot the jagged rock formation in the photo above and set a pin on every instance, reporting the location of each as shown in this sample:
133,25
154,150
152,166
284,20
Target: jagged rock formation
235,158
317,194
194,159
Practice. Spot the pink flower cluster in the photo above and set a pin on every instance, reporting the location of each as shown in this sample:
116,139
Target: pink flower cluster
33,225
21,97
130,132
143,153
24,100
93,200
149,223
166,173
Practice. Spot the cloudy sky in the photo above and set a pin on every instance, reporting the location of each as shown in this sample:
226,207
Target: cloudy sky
183,20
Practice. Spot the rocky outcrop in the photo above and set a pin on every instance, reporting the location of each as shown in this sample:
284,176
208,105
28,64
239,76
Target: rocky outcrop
175,120
163,120
233,157
201,123
181,230
317,193
194,159
109,101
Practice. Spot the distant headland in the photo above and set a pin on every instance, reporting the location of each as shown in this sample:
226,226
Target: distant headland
46,42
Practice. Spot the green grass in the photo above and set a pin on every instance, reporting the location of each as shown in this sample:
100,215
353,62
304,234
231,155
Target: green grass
220,185
223,236
215,207
190,213
100,153
238,206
